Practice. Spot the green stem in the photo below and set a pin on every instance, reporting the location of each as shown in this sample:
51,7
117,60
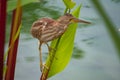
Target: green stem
66,10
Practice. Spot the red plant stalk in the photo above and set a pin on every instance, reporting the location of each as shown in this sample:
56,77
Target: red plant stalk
12,54
2,33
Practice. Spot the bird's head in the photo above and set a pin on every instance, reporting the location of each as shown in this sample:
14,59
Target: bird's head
69,18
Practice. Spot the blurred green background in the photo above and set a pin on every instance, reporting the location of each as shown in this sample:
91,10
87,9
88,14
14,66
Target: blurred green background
94,56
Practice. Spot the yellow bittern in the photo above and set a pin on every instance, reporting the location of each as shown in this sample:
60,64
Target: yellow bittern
48,29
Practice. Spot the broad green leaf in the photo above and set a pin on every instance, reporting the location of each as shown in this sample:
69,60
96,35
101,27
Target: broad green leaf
63,46
69,3
11,4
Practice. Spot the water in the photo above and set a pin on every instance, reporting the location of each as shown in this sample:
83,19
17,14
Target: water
99,59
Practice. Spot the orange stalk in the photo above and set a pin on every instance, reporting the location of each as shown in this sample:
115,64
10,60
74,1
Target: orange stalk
13,44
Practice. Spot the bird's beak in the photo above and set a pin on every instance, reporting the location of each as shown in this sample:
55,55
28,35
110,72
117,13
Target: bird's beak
79,21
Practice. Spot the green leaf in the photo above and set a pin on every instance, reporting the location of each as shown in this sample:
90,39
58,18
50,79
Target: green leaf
11,4
63,46
69,3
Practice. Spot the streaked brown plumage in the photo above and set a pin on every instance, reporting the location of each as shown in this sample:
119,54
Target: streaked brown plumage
47,29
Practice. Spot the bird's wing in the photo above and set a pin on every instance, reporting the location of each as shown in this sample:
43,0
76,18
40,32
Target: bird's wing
52,31
39,26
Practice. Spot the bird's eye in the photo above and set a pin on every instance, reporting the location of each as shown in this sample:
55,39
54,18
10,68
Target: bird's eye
71,19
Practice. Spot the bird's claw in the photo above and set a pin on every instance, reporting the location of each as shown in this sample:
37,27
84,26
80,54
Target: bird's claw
42,67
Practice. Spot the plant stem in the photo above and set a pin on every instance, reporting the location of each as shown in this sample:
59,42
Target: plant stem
2,34
46,71
12,54
66,10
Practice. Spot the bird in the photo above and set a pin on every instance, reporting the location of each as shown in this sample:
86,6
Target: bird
47,29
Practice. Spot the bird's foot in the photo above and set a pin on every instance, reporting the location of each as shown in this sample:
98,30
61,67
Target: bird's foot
42,67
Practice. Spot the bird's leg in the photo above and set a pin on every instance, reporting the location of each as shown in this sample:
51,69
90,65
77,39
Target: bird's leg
49,48
40,54
42,66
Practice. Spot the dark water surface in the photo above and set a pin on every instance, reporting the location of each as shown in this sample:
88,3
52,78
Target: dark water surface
94,56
